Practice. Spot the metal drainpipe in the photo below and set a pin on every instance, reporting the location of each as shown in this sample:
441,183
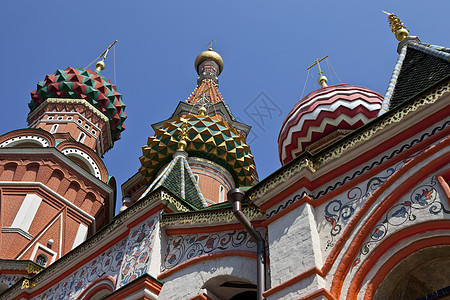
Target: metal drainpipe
235,197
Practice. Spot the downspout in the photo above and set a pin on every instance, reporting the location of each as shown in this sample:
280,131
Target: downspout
235,197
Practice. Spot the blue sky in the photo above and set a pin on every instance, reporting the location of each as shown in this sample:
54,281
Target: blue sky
266,46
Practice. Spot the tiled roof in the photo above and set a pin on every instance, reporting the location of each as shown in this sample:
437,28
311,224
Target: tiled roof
212,93
419,67
420,71
178,178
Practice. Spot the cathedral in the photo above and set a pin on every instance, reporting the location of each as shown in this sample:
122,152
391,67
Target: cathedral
359,208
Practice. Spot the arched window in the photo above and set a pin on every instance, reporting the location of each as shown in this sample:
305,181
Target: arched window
54,128
41,259
221,194
81,137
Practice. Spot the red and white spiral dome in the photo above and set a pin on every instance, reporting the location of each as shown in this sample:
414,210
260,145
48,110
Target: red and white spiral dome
322,113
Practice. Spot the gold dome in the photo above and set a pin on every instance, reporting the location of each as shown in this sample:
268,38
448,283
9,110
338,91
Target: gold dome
209,55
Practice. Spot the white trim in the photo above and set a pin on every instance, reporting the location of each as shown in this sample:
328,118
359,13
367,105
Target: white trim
27,212
81,235
17,230
19,139
93,167
42,232
39,245
47,189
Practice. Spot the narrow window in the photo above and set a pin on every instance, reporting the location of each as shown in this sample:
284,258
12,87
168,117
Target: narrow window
81,137
54,128
221,194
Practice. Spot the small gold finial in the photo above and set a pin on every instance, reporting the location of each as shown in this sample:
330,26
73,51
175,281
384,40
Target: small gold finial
202,111
397,26
100,65
323,80
183,136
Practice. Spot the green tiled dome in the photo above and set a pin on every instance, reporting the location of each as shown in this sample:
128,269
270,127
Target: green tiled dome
208,137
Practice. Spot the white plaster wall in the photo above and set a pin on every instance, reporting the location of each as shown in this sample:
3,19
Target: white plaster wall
299,289
294,245
154,263
188,282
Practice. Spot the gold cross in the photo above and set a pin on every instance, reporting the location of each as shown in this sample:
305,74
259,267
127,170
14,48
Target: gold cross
106,51
210,43
317,61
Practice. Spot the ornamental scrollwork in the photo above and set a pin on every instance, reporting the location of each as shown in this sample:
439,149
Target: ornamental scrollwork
181,248
338,211
422,199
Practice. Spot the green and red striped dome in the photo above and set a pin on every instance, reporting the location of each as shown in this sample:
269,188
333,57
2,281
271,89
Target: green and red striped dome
80,83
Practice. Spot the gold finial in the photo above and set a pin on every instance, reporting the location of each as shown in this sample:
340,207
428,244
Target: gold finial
323,80
202,111
183,136
397,26
100,65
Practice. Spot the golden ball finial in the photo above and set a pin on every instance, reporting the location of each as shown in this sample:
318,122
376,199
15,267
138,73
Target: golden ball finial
323,81
202,111
182,145
209,55
401,34
100,65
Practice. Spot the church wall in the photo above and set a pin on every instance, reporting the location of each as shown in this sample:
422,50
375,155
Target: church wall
188,282
290,240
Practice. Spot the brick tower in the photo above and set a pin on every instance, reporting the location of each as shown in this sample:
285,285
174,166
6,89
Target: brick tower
55,190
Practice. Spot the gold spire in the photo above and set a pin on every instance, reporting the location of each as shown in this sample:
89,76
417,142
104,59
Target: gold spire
397,26
323,80
183,136
100,65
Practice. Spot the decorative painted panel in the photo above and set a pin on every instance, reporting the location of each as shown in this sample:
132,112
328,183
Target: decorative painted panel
339,211
108,263
138,251
9,279
181,248
423,203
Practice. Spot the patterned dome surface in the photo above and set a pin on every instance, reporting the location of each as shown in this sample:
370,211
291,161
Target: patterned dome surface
80,83
322,112
208,137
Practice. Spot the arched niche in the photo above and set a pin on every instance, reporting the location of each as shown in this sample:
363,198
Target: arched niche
55,179
8,171
422,273
31,172
231,287
98,289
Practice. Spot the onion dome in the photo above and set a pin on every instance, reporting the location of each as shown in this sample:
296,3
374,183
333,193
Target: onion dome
324,116
208,55
80,83
207,137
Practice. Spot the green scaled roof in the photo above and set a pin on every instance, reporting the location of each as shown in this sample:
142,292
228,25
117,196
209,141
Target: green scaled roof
178,178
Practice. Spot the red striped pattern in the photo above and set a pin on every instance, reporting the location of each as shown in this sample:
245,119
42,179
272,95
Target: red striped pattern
324,111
